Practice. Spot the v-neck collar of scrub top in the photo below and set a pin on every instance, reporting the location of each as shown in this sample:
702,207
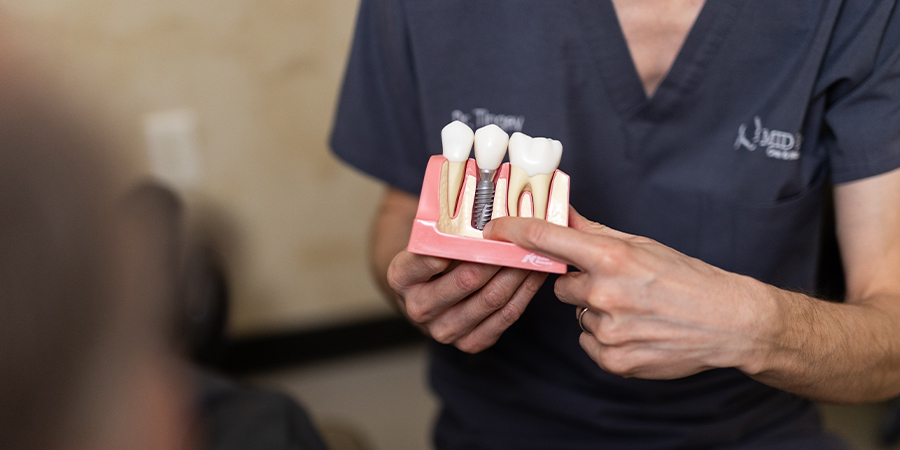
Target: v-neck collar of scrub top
612,56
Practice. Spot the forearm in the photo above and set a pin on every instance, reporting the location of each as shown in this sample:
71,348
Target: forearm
390,235
832,352
845,352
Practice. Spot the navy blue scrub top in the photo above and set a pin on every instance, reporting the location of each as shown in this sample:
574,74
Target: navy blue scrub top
767,101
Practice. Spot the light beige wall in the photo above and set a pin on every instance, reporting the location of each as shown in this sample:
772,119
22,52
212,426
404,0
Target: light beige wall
261,79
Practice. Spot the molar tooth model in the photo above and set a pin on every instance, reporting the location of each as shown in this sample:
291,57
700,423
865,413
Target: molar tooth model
533,161
452,212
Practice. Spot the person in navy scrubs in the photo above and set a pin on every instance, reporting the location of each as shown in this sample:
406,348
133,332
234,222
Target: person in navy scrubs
699,137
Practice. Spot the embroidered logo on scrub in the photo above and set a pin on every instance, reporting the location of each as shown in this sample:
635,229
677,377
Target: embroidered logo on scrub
482,117
778,144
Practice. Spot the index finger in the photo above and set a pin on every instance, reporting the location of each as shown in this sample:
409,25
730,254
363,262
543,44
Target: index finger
563,244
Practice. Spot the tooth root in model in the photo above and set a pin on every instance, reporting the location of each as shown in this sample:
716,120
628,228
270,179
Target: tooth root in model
532,164
457,139
490,148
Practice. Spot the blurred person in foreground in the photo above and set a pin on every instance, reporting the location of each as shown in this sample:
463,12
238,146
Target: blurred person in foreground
91,292
83,359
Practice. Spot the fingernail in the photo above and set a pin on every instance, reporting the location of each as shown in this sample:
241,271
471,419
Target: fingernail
487,229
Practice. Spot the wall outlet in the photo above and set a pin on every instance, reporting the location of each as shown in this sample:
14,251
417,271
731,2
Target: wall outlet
172,147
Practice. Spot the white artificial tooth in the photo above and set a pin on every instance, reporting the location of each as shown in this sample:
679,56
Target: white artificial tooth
490,147
533,163
457,139
534,155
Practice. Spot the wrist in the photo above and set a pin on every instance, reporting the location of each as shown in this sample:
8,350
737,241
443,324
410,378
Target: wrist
767,326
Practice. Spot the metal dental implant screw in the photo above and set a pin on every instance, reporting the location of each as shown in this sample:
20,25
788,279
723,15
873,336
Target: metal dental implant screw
490,147
484,199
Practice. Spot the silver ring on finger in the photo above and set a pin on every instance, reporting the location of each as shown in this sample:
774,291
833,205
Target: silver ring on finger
581,323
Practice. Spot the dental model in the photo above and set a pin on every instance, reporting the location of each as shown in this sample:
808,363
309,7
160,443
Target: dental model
490,148
483,189
533,162
457,139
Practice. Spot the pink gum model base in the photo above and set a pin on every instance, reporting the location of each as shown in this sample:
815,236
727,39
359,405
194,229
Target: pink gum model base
428,238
